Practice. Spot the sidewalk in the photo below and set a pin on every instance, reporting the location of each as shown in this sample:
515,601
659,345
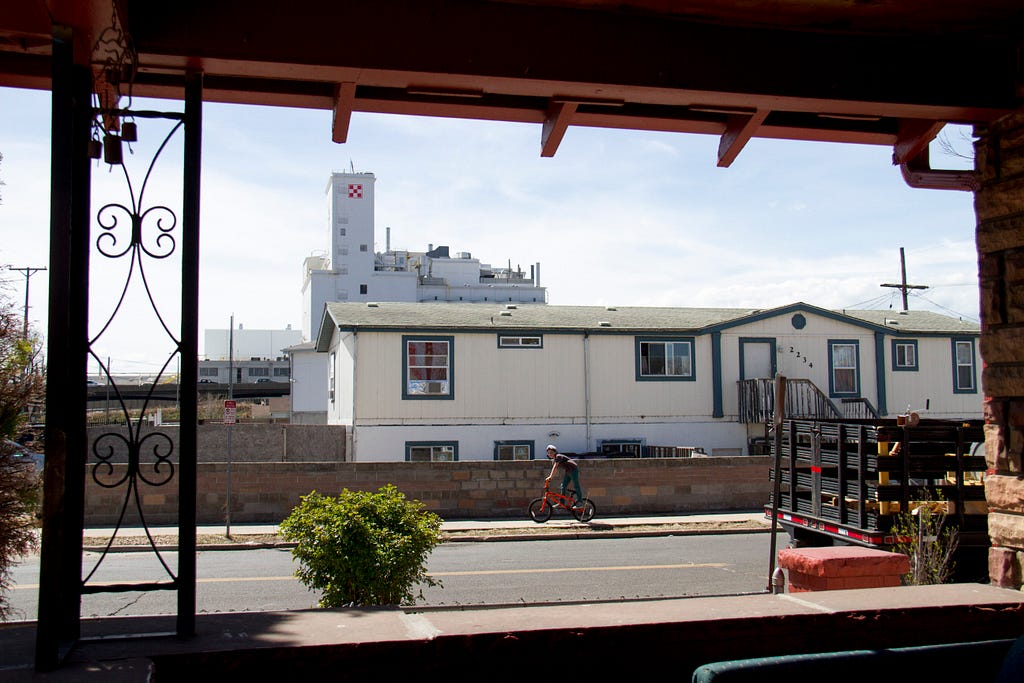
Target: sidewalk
248,536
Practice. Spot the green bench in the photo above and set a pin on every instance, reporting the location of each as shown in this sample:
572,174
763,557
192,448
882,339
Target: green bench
997,661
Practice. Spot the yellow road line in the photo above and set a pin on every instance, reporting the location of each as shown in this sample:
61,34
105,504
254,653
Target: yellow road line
553,570
479,572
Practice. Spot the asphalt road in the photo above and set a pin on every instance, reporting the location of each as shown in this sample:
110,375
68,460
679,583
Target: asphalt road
472,574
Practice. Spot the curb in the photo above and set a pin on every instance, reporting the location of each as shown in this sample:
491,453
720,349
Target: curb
482,537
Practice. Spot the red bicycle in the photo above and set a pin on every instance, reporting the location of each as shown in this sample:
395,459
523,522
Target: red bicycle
541,508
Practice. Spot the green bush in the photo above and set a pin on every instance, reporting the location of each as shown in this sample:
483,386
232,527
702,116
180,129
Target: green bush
363,548
21,388
929,542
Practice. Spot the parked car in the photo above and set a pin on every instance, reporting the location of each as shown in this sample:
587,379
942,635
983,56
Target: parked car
206,381
24,452
261,380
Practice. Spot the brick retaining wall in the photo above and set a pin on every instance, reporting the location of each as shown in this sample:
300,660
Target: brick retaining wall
266,492
999,207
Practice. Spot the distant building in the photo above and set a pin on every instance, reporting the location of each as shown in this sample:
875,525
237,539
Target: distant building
248,343
259,355
354,271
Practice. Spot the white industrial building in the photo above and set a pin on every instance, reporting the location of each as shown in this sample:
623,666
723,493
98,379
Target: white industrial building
251,355
354,271
500,381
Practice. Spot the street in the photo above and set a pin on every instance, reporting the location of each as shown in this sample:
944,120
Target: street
512,572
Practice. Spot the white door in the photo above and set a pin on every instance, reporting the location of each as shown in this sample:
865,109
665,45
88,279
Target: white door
757,360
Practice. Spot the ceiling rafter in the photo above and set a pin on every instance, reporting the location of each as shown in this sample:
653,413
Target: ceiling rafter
556,122
738,132
344,101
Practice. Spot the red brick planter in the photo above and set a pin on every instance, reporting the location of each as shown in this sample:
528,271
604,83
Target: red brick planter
842,567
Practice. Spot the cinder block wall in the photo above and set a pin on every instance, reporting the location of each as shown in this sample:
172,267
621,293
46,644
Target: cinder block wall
266,492
999,206
257,442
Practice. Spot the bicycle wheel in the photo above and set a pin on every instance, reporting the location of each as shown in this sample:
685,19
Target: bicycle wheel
585,512
539,512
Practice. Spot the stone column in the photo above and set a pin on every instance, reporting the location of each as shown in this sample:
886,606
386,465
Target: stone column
999,207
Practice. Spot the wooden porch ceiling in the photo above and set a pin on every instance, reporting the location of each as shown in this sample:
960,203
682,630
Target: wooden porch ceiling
867,71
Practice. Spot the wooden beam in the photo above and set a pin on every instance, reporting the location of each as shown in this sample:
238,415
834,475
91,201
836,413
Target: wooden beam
344,101
555,124
913,138
738,131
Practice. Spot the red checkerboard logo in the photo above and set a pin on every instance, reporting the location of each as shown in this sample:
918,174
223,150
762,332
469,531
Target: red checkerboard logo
355,191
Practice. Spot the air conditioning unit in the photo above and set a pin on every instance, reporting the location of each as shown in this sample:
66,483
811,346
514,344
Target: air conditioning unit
435,387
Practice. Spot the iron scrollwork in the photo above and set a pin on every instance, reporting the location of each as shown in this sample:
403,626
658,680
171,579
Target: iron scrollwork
139,234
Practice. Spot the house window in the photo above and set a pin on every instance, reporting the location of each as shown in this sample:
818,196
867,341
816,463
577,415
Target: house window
362,247
518,341
623,449
664,359
280,372
431,451
904,354
330,376
362,289
513,450
963,367
259,372
207,372
342,230
427,367
844,370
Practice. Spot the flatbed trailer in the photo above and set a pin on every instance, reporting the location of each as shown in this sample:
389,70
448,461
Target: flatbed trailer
845,482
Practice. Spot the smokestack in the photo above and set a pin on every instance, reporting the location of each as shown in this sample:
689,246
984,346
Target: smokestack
537,281
387,240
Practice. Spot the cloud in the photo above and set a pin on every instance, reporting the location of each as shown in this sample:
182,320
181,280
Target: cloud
615,217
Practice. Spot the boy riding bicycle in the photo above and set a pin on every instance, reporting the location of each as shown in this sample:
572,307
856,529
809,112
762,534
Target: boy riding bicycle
570,471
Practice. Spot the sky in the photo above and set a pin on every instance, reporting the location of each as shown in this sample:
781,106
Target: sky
627,218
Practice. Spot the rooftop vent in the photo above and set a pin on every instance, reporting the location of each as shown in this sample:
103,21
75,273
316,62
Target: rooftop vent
610,308
511,306
604,323
372,304
507,313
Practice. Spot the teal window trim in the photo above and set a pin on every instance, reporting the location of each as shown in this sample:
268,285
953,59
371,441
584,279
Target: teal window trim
832,391
717,408
539,345
639,344
530,445
903,365
331,369
971,375
638,444
453,445
406,394
881,404
759,340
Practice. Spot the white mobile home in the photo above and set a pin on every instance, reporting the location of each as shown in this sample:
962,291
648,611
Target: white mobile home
487,381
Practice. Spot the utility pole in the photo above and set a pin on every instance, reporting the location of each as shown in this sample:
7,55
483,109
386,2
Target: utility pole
28,274
903,286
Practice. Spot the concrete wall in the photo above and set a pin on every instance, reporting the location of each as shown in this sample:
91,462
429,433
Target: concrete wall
266,492
249,443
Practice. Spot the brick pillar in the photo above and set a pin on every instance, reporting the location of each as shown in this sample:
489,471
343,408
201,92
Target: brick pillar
999,207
